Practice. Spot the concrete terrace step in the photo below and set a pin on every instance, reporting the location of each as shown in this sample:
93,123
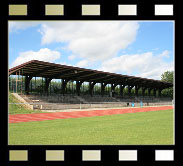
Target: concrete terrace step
60,102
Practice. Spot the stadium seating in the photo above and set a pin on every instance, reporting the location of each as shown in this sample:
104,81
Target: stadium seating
58,102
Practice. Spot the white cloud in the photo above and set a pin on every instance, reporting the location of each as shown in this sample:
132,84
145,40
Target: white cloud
165,54
146,65
15,26
43,54
82,63
71,57
64,63
92,40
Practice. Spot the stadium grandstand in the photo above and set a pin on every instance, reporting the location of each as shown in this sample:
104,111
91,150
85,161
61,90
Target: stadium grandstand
50,86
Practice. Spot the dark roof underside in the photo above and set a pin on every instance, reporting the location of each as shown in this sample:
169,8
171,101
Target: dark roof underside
37,68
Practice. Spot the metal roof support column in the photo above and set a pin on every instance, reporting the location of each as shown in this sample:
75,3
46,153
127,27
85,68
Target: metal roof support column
143,91
91,86
137,87
50,87
78,86
61,85
149,91
31,85
35,83
159,92
42,86
22,82
47,82
69,86
129,89
121,89
113,86
64,83
27,82
16,82
103,85
19,81
154,92
72,88
12,84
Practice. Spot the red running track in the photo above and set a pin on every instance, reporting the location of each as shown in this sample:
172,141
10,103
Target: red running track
78,114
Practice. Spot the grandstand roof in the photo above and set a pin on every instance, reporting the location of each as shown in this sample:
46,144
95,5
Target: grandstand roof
37,68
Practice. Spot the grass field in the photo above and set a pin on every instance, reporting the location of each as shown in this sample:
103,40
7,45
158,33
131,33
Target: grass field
143,128
18,109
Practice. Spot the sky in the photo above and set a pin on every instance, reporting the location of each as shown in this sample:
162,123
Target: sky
136,48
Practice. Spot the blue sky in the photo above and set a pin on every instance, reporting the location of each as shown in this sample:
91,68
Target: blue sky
142,49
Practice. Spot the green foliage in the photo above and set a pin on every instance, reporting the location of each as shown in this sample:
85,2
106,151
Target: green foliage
39,88
167,77
56,90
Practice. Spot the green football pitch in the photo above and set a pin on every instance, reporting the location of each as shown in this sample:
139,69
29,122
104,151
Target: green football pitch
143,128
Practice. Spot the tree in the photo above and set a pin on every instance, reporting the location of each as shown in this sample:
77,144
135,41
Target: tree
167,77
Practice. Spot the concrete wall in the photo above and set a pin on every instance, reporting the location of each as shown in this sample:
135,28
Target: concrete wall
87,106
21,100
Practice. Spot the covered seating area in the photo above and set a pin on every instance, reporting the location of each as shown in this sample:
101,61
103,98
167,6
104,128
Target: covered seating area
26,72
